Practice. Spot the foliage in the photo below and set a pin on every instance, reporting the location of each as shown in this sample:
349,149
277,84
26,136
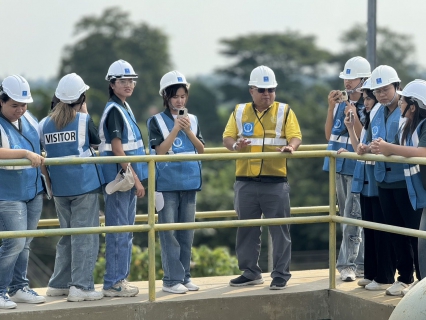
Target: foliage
393,49
206,262
293,58
111,36
216,262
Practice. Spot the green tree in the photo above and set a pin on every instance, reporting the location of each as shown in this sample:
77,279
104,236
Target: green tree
295,59
111,36
393,48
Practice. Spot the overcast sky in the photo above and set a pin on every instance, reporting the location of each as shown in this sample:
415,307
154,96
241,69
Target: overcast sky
34,32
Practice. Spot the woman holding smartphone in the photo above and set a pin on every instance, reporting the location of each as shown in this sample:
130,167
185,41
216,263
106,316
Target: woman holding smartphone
174,131
379,266
411,142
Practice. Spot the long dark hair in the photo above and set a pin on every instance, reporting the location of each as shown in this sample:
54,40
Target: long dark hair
3,96
110,90
411,124
170,92
364,111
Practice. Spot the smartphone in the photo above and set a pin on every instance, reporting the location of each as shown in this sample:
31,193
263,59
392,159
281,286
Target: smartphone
344,96
351,116
182,113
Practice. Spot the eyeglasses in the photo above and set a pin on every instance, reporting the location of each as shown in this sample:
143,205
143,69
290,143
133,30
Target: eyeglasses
126,82
385,90
262,90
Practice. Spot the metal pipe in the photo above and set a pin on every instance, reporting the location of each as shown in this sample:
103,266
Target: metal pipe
371,33
332,224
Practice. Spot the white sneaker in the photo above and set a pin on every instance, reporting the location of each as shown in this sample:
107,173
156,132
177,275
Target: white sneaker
27,295
56,292
347,274
5,302
76,295
405,291
396,288
359,273
375,286
177,288
121,289
191,286
364,282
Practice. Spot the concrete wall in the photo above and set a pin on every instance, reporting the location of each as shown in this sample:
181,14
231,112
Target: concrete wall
315,305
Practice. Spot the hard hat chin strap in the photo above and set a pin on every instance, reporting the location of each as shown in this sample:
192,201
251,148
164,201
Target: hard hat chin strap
359,85
389,103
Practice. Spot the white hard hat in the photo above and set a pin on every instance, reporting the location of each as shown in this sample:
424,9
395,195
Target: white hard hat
262,77
120,69
415,89
365,86
356,67
382,76
17,88
70,88
171,78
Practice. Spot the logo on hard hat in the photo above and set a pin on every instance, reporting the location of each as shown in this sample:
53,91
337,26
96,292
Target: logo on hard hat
180,79
379,80
127,70
348,71
266,79
24,93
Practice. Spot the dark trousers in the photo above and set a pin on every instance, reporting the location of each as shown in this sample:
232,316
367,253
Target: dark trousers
379,256
398,211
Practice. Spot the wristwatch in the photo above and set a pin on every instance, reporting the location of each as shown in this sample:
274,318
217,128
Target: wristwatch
234,146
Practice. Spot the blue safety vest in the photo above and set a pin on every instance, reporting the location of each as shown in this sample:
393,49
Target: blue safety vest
363,179
177,175
20,183
71,141
131,140
339,140
387,171
415,187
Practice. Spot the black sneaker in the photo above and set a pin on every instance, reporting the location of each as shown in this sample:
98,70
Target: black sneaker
278,283
243,281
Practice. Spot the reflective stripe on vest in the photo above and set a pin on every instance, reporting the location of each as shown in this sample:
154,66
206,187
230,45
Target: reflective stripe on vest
131,144
277,141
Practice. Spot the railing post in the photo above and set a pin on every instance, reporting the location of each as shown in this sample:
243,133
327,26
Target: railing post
332,224
151,232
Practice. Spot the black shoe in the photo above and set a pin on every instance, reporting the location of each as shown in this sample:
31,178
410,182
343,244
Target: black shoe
278,283
243,281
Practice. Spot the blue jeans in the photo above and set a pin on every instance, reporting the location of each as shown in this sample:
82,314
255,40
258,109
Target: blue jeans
179,207
351,252
14,253
120,210
76,255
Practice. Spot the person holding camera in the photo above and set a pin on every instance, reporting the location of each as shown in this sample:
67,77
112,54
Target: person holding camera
263,125
378,272
401,190
350,261
21,190
174,131
120,136
69,131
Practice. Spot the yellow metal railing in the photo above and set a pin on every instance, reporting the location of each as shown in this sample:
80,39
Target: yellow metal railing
218,154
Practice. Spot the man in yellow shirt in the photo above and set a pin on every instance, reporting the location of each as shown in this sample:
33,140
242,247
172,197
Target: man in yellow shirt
261,186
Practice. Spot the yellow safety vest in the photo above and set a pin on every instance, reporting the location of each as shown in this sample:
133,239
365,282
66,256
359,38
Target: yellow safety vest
265,134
